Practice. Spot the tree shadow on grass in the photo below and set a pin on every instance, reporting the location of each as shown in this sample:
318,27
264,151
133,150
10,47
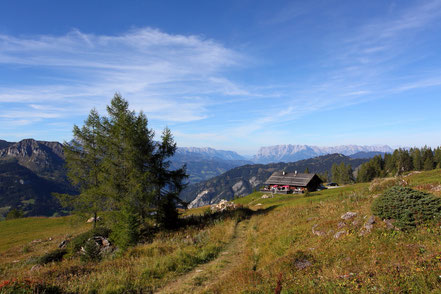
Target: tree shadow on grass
210,218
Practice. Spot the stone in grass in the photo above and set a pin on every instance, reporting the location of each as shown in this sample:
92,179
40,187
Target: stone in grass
341,225
390,224
349,215
368,226
317,232
302,260
339,234
302,264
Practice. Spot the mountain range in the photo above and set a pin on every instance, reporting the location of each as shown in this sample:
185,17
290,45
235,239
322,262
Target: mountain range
31,170
292,153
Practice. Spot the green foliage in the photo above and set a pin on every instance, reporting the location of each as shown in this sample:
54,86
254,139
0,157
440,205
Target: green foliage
118,166
91,251
79,241
408,207
126,231
84,157
399,162
52,256
14,213
342,173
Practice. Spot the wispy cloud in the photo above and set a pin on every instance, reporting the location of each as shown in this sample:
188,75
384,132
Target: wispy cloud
160,73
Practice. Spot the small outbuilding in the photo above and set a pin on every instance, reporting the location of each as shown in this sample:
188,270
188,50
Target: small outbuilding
287,183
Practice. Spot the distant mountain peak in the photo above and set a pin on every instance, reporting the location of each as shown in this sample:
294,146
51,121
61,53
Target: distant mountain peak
209,153
292,153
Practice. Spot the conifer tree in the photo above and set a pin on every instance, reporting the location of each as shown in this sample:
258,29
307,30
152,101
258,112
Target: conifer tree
437,157
84,156
416,158
118,166
428,158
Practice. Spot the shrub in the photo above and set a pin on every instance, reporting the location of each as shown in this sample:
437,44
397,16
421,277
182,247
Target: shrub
91,251
79,241
408,207
52,256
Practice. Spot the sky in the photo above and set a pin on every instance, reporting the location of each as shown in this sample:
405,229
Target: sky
231,75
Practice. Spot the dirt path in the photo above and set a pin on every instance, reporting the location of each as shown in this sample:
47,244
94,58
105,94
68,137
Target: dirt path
204,275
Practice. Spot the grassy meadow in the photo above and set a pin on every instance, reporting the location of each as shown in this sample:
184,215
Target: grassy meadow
290,244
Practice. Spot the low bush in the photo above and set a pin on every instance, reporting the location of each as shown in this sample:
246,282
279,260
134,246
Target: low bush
408,207
52,256
79,241
91,251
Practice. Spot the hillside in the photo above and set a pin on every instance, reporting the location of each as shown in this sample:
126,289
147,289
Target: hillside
30,171
205,163
243,180
294,243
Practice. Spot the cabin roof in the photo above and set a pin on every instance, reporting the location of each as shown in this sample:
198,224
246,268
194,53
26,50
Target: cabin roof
291,179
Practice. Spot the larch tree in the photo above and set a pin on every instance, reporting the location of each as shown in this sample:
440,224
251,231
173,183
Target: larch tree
118,166
84,161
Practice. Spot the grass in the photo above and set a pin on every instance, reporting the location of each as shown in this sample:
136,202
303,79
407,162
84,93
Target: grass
19,232
278,246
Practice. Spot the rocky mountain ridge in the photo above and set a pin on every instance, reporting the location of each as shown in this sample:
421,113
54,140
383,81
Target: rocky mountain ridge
30,171
292,153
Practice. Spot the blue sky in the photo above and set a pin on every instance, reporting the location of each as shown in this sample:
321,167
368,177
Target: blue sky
232,75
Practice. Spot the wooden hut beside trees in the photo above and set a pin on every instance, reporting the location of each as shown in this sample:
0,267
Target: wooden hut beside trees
287,183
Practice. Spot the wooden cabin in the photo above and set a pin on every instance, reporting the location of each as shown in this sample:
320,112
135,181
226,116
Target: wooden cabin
287,183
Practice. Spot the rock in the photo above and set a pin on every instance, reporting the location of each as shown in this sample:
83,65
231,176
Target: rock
106,243
348,215
347,276
341,225
316,232
355,223
371,220
390,225
302,264
35,267
339,234
92,219
223,205
265,196
63,244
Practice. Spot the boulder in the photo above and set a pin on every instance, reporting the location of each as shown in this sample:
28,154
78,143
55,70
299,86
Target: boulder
223,205
63,244
92,219
348,215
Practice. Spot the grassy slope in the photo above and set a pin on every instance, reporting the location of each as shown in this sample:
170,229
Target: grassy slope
277,243
19,232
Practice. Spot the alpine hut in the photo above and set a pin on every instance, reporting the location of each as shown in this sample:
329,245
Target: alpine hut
287,183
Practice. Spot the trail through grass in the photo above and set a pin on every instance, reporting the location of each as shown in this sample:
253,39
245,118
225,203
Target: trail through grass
200,278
